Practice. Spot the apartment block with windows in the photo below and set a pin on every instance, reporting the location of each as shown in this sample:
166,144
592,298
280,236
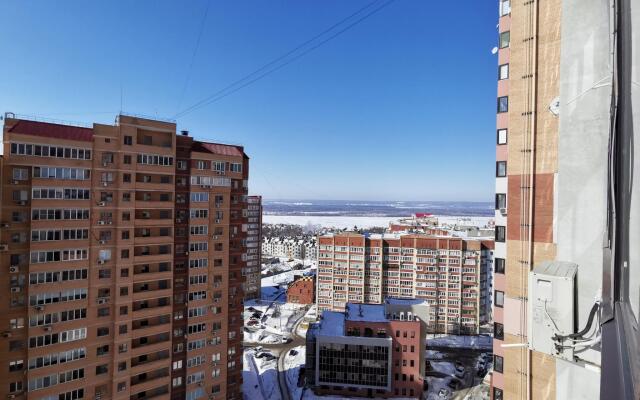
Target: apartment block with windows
449,273
369,350
502,187
252,272
106,299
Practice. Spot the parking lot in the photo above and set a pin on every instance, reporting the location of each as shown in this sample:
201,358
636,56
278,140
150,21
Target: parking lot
457,374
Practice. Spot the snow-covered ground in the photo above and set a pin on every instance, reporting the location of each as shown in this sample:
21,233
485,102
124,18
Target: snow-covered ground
292,364
345,222
275,327
260,377
284,278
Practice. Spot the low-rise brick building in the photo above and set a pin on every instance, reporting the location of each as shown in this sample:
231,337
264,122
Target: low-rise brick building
302,290
369,350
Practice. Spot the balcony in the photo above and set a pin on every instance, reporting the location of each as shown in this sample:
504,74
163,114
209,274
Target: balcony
150,340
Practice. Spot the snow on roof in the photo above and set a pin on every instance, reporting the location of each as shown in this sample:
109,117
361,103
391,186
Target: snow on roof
366,312
332,323
406,302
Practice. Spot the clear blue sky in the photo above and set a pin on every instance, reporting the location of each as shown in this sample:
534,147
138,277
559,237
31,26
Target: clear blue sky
400,107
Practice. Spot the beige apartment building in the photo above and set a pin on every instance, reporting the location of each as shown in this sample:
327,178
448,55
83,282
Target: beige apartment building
122,252
450,273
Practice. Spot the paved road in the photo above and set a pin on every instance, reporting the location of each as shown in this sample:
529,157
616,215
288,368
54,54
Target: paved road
282,373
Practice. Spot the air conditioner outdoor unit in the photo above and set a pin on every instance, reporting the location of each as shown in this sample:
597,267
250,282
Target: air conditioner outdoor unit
101,222
217,221
102,204
503,211
15,182
105,184
103,242
22,202
6,334
4,247
15,289
100,261
47,328
186,253
105,163
102,300
38,308
11,396
5,224
14,270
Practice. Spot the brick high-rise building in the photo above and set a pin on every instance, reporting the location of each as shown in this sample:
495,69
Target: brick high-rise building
451,274
122,252
252,272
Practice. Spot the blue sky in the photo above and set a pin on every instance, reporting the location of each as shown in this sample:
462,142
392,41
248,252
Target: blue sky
400,107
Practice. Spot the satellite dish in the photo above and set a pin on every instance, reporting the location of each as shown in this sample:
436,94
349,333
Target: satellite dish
494,50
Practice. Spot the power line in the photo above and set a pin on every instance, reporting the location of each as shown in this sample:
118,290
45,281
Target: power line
225,91
193,55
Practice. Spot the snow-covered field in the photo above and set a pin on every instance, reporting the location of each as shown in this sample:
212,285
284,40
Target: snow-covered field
344,222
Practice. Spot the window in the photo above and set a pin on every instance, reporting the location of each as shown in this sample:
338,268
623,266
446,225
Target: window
505,8
502,136
497,394
15,387
501,169
498,331
201,164
235,167
500,233
504,39
126,159
20,174
499,265
498,363
128,140
126,178
503,104
498,298
501,201
503,72
182,165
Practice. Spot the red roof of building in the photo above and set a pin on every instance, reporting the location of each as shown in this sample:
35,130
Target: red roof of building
216,148
423,215
58,131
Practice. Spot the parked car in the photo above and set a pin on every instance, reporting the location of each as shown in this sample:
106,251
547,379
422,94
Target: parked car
454,384
251,309
258,348
444,393
252,322
293,352
287,340
459,374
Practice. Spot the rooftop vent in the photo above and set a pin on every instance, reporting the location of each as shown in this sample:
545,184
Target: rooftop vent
184,133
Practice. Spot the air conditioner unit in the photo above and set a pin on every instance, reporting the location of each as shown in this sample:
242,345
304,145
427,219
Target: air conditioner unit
101,222
38,308
47,328
186,253
503,211
4,247
200,383
22,203
102,204
15,182
100,261
218,221
105,184
102,300
109,222
14,270
105,163
16,289
103,242
215,237
6,334
5,225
